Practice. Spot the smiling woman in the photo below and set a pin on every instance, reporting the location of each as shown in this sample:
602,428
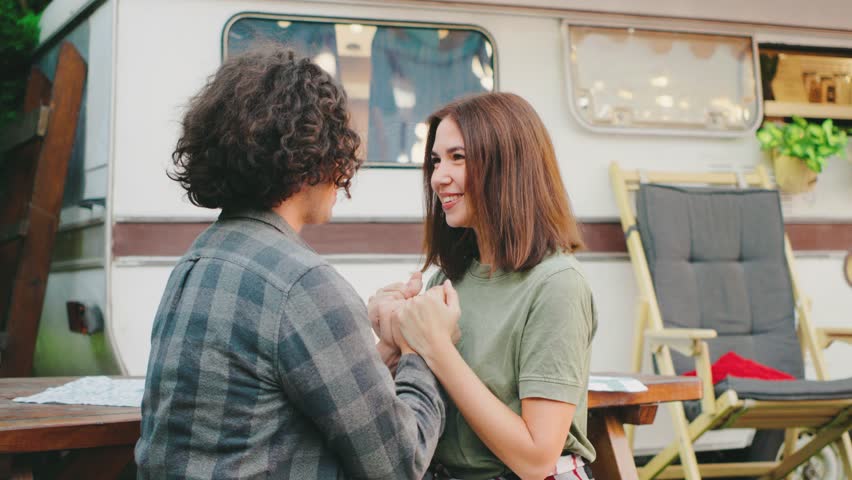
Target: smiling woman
494,151
500,229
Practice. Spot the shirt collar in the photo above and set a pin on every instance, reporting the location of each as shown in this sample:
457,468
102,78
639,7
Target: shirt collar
264,216
483,271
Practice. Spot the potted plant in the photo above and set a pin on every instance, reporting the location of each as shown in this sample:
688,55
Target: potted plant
800,149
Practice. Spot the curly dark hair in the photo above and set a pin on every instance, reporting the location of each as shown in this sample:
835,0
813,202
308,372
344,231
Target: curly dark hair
265,124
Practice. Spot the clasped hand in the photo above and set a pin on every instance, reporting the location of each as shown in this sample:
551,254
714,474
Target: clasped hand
406,322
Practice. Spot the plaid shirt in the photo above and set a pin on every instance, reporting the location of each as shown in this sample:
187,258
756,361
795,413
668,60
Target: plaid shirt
263,364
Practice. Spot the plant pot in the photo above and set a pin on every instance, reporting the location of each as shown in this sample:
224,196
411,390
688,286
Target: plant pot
792,175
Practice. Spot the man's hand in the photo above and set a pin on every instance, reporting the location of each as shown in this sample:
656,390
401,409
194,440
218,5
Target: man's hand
430,322
385,304
390,355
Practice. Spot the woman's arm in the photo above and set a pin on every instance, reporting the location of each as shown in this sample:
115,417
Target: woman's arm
529,444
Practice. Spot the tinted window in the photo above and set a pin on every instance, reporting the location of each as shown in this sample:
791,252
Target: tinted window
395,76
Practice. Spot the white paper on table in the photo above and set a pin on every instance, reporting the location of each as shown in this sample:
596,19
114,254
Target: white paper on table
126,392
615,384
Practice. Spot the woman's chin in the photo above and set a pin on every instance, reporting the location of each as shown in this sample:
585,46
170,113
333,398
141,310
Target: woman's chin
456,223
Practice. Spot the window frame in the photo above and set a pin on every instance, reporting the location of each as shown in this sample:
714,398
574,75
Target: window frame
223,54
565,27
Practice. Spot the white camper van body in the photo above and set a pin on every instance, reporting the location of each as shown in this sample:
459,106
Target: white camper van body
146,58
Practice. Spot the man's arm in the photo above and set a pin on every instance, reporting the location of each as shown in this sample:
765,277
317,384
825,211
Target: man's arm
330,369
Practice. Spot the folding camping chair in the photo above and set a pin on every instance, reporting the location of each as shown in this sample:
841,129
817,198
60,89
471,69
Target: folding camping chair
715,274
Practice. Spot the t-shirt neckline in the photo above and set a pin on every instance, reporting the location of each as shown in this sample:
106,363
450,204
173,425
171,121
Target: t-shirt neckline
483,271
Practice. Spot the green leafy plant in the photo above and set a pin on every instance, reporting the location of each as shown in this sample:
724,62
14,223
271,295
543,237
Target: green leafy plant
814,143
19,31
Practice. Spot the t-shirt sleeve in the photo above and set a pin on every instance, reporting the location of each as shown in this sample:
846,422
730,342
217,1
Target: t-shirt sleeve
555,347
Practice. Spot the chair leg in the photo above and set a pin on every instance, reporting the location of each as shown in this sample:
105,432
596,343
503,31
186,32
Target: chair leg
681,447
630,433
687,451
638,350
844,446
791,438
726,405
817,443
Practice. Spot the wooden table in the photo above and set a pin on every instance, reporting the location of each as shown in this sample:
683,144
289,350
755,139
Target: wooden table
608,412
102,438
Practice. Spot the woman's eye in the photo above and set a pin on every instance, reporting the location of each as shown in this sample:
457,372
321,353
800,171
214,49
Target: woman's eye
435,160
458,156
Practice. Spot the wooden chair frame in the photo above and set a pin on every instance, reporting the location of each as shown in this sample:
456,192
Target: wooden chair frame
830,420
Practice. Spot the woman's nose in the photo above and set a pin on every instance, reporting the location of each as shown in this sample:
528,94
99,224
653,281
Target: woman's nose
440,176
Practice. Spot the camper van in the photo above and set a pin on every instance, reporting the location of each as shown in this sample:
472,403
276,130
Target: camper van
651,85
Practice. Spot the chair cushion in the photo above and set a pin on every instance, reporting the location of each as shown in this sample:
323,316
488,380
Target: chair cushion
792,390
731,364
717,261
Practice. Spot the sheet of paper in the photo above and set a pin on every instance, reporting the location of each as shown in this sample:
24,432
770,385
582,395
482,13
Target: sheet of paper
615,384
128,392
93,391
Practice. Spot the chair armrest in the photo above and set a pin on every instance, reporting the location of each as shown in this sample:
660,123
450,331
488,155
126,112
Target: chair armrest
828,335
684,340
690,342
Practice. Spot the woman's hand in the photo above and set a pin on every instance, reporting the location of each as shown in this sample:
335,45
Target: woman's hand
429,322
386,303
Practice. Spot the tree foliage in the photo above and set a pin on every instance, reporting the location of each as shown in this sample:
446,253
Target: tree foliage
19,31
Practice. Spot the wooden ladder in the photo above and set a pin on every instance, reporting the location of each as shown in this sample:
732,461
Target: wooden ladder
34,156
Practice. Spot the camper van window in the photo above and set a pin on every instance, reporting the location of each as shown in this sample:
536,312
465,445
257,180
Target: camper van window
395,75
806,81
647,81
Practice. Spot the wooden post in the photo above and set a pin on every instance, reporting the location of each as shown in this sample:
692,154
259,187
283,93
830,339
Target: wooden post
29,280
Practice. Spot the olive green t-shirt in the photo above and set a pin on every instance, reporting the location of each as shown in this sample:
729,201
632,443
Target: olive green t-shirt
525,334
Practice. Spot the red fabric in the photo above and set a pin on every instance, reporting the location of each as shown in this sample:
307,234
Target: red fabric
731,364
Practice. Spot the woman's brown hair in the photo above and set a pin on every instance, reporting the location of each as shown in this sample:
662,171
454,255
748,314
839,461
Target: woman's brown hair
520,207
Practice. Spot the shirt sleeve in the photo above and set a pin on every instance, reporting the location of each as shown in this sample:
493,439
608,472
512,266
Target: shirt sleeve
328,364
555,347
437,278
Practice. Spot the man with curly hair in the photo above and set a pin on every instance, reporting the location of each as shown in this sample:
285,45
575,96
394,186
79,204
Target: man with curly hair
262,360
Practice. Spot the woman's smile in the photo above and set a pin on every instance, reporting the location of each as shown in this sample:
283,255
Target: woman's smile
450,200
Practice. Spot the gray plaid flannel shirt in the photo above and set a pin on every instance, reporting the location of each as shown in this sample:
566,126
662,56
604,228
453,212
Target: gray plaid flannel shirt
263,365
